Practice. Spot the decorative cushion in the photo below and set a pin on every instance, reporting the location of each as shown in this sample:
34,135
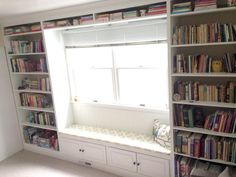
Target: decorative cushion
161,133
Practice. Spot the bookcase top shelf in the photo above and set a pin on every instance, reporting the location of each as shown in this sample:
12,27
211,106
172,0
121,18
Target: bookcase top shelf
24,34
29,73
204,44
205,131
26,54
97,24
33,91
209,104
208,160
50,110
204,74
39,126
209,11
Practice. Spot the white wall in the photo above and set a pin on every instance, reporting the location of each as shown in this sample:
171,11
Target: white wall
10,138
132,120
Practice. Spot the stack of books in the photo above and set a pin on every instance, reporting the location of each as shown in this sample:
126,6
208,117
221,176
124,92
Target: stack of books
195,91
41,118
205,4
203,63
186,167
40,137
219,121
88,19
35,100
130,14
182,6
28,65
156,9
204,33
19,46
35,84
116,16
206,146
100,18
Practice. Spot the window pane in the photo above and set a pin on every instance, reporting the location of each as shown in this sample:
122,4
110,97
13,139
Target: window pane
94,84
143,86
149,55
90,57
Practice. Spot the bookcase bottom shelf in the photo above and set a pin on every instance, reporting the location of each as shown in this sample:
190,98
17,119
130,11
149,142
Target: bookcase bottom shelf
207,160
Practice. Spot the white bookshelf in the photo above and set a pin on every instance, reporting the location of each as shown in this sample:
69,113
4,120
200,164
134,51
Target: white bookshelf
17,77
212,49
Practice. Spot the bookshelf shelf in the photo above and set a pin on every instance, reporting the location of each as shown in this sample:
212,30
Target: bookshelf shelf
26,54
210,11
97,24
39,126
205,131
208,160
35,148
49,110
29,73
203,75
204,44
209,104
24,34
32,91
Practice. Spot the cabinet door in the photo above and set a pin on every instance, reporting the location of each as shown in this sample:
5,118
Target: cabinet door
93,152
122,159
70,148
152,166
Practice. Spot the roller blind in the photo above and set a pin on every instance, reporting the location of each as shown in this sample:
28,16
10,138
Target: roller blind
119,33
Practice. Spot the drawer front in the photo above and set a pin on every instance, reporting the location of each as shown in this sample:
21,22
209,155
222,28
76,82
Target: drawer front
152,166
93,152
121,159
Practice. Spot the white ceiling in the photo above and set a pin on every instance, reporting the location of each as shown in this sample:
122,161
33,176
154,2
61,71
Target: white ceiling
18,7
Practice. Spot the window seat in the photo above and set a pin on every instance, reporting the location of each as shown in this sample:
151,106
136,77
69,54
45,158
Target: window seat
135,140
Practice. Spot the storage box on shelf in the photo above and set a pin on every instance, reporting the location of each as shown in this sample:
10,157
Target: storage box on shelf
31,84
202,57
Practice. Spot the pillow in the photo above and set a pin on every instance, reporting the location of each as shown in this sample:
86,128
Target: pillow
161,133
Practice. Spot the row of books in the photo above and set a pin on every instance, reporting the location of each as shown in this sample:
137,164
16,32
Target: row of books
35,84
188,167
29,65
20,46
41,118
154,9
185,90
22,29
35,100
203,33
206,146
204,64
40,137
199,5
219,121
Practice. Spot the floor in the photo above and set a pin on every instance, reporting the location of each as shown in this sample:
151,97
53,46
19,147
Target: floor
27,164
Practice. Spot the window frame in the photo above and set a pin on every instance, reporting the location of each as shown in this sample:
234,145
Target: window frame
116,86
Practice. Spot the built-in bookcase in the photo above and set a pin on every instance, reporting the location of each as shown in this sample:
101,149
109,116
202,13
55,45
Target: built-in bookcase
27,61
202,81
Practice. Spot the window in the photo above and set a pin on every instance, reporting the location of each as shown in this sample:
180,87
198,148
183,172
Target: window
135,75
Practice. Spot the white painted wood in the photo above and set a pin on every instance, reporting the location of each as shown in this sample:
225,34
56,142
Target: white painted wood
151,166
93,152
10,139
59,78
122,159
70,148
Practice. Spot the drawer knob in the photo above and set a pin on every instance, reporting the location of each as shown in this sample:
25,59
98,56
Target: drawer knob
138,164
134,163
82,150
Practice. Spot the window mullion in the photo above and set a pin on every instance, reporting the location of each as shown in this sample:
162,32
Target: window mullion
115,79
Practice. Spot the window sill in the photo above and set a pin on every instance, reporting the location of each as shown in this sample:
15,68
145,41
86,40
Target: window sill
123,107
